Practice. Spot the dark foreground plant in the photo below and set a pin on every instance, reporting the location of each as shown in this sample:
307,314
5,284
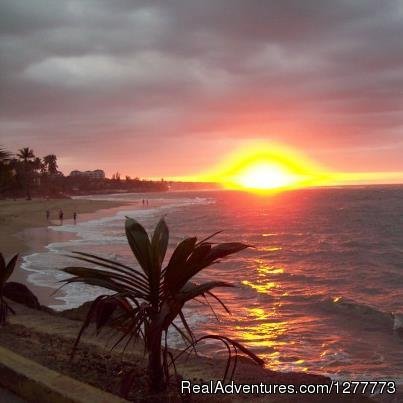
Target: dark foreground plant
6,269
145,303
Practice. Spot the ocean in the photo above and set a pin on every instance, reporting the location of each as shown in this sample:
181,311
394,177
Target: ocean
321,291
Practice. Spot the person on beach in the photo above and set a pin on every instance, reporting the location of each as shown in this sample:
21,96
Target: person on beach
75,217
143,202
61,215
47,215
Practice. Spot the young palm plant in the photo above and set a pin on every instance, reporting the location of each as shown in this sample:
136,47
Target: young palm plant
145,302
6,269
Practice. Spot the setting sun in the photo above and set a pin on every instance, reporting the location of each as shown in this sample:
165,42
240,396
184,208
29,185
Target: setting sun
263,166
265,175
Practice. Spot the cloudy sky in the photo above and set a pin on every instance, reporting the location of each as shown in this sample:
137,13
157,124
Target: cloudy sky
167,88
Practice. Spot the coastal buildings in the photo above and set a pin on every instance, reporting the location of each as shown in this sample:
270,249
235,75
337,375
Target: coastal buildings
96,174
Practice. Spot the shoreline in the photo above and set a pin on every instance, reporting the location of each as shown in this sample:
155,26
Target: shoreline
20,215
28,231
35,234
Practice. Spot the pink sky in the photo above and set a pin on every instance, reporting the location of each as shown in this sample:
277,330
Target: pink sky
168,89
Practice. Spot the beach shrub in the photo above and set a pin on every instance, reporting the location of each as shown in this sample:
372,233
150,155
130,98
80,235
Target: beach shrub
145,302
6,269
21,294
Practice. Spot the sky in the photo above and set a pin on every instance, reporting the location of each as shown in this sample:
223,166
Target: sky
171,88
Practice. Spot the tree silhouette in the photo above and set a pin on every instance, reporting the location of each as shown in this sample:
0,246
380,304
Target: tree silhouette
26,155
51,163
4,154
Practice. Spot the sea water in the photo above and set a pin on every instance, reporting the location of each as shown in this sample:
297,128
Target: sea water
321,291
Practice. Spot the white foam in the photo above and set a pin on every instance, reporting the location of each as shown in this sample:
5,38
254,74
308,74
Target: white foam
45,267
397,321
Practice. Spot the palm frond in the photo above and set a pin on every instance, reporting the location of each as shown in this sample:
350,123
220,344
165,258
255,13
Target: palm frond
145,303
139,243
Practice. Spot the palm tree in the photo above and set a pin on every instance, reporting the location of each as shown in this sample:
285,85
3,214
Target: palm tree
26,155
5,170
145,303
4,155
36,164
51,163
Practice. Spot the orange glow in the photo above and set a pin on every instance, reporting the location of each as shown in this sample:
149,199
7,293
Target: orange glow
262,166
264,175
265,167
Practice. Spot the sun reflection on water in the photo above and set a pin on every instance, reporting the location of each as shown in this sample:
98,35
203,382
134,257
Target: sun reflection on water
269,248
263,330
261,288
264,326
262,284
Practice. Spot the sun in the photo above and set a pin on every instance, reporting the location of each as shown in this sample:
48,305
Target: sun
264,176
265,167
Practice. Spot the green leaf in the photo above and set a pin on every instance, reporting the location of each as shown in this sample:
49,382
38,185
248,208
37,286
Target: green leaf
108,284
224,249
139,243
219,301
92,272
192,290
204,260
7,269
159,245
209,237
104,312
182,252
177,263
159,242
10,267
199,254
112,279
86,322
112,264
202,256
2,263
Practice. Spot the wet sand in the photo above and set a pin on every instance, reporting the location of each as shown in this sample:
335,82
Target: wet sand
17,216
25,230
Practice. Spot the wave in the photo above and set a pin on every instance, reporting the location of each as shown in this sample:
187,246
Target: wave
371,318
138,197
105,232
289,296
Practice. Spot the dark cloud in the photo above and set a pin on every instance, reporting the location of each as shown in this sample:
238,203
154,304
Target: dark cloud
311,74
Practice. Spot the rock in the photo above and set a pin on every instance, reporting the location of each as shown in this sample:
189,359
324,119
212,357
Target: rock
79,313
21,294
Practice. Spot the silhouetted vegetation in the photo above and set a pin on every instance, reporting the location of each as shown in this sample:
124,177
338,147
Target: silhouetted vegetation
6,269
146,300
26,175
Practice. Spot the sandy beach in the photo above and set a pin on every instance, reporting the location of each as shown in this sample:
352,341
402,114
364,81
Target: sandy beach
25,229
17,216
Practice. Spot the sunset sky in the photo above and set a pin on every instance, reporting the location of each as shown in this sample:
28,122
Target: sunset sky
174,88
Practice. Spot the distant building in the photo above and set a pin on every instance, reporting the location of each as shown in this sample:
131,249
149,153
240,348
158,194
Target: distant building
76,173
96,174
